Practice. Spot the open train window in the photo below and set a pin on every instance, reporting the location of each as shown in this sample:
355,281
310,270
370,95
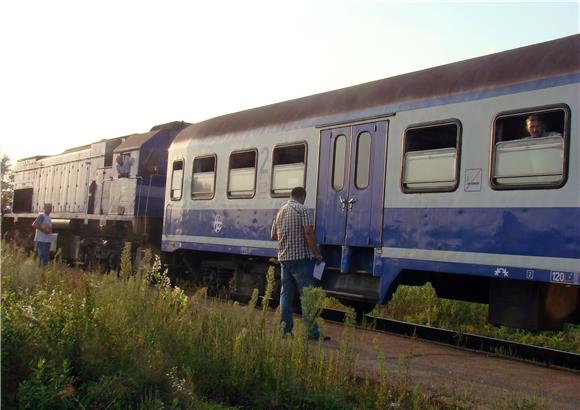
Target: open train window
150,162
288,168
529,149
176,180
109,147
431,157
242,174
203,178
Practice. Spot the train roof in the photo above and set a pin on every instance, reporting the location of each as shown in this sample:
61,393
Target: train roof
34,157
134,141
535,62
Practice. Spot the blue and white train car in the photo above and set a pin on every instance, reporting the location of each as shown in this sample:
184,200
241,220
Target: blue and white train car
424,177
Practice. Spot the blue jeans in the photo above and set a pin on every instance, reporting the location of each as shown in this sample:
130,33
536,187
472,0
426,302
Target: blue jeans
295,273
42,249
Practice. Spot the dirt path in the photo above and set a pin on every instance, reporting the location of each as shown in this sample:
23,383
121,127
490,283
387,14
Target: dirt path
481,380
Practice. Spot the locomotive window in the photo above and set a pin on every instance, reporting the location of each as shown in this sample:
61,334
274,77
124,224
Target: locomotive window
431,157
242,174
529,149
288,168
150,164
203,178
339,162
176,180
363,160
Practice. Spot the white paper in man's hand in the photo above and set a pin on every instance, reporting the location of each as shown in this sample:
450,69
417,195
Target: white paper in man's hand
318,269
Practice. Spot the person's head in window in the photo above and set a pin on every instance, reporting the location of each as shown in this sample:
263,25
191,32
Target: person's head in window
535,126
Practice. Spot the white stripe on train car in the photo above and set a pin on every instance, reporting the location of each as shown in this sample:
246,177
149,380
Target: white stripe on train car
493,259
221,241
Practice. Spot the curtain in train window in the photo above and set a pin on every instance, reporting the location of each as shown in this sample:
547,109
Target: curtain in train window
203,178
529,149
176,180
431,158
288,168
242,174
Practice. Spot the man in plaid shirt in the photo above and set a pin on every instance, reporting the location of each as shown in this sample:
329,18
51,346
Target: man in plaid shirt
292,228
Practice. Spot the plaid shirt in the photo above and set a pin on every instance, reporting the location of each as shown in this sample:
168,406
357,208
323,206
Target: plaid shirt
289,227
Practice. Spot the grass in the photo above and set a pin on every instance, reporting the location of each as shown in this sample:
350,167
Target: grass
77,340
420,304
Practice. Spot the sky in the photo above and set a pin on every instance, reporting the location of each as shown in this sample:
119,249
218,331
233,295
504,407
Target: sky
75,72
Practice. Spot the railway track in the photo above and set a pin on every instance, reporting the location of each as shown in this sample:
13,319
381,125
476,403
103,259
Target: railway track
538,355
512,350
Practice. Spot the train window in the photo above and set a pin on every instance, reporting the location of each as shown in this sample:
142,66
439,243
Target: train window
203,178
109,147
363,160
176,180
242,174
529,149
150,163
288,168
431,157
339,162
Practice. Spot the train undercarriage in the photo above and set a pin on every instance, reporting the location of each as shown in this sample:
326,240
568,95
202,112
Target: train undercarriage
517,304
88,243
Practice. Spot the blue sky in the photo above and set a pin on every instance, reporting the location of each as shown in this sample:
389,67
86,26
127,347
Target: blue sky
76,72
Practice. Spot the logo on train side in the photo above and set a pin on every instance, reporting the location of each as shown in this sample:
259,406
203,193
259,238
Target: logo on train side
501,272
217,223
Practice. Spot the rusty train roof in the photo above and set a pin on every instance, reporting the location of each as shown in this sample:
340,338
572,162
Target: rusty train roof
535,62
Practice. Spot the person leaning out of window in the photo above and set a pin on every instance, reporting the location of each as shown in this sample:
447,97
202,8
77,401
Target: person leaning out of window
536,127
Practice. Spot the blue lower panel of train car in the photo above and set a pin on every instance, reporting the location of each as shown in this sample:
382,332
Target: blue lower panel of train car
530,244
243,224
531,232
541,232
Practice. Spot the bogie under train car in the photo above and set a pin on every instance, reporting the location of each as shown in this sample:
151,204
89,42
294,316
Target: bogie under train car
424,177
103,195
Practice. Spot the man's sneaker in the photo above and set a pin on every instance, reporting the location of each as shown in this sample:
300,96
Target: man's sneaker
325,338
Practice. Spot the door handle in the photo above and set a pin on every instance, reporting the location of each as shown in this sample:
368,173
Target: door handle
342,203
350,202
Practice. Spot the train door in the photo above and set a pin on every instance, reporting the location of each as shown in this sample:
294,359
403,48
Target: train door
349,208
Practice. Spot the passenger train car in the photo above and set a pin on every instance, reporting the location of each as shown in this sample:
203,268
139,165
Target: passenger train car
424,177
102,194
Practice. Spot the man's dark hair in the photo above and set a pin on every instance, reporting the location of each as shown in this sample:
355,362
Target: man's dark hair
536,117
298,192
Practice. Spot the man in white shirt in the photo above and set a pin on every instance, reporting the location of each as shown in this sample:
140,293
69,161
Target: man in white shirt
537,128
43,235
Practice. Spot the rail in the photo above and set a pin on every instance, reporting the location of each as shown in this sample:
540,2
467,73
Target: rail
504,348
